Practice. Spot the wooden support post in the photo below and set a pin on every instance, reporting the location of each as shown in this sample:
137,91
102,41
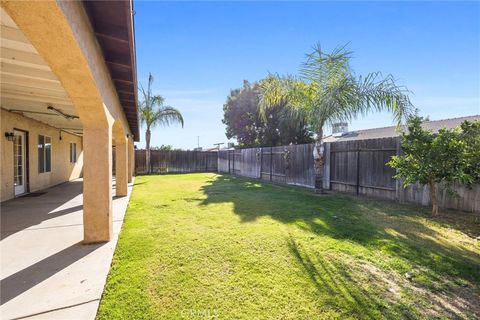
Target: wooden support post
261,162
358,172
398,183
326,166
271,163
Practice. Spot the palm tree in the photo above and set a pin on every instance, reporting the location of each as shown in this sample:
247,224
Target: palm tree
153,111
328,91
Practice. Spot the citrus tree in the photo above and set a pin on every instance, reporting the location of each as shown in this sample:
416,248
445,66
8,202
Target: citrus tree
432,158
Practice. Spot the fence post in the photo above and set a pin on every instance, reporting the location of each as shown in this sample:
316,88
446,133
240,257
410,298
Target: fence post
271,163
233,162
150,170
228,156
261,162
398,184
194,161
326,166
358,171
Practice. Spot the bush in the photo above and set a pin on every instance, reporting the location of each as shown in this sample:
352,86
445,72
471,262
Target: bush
445,157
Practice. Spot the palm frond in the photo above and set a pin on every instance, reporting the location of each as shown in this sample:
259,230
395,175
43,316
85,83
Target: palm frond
378,93
167,115
321,68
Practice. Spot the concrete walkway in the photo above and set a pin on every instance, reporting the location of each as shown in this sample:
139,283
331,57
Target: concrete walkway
46,272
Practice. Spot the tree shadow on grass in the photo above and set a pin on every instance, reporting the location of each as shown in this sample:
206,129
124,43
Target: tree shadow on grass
368,294
395,230
342,290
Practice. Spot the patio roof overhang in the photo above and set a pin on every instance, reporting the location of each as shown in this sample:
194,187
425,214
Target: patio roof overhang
112,22
29,87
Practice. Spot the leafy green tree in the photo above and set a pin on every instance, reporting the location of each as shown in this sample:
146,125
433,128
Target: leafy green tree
163,147
153,112
245,123
430,159
471,136
327,91
240,115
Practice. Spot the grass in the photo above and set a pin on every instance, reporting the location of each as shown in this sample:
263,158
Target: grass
206,246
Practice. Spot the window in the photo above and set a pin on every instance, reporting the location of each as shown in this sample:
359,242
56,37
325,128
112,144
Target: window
44,154
73,152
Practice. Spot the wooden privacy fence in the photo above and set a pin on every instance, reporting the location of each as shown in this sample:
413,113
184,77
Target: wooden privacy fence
176,161
288,164
357,167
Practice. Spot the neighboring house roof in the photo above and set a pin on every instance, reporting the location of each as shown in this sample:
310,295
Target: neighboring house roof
113,24
392,131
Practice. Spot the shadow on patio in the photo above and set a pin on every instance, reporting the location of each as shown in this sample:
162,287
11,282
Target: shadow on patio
25,212
45,268
25,279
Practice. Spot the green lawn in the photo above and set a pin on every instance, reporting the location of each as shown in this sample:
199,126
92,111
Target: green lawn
206,246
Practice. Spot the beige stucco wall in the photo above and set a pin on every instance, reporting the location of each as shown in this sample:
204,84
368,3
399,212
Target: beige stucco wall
62,170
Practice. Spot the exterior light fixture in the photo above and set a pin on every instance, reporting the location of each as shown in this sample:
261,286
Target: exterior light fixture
9,136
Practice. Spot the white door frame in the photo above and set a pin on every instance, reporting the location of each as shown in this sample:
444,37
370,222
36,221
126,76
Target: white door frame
20,181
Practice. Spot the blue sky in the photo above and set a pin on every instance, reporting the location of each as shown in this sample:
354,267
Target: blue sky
198,51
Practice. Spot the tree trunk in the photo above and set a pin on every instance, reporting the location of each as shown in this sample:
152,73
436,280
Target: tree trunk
433,197
319,162
147,147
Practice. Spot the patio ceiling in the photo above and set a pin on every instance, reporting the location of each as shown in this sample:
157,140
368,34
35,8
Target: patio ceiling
28,85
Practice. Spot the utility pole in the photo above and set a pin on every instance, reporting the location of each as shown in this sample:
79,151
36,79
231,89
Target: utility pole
198,141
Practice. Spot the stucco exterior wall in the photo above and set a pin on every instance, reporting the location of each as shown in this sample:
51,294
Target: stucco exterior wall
61,170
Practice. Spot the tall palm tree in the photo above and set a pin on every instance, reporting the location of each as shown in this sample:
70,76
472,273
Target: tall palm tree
153,112
328,91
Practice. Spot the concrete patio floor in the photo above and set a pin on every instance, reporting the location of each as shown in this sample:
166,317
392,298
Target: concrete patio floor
46,271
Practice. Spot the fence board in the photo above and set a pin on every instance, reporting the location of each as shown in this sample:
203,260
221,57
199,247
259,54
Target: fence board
359,167
299,166
177,161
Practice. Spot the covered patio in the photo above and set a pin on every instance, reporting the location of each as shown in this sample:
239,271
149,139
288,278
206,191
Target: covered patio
69,81
47,273
68,101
